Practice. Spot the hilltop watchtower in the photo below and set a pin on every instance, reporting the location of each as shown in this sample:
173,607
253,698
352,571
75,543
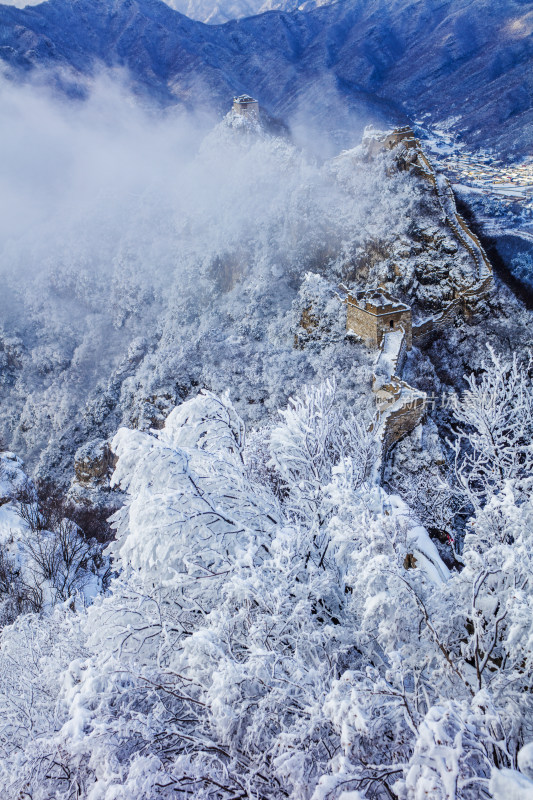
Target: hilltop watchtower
245,105
374,313
403,135
375,142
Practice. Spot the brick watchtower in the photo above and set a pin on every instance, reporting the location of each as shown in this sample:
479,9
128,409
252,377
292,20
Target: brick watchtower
374,313
245,105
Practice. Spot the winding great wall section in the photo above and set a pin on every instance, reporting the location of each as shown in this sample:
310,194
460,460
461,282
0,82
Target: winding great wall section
384,322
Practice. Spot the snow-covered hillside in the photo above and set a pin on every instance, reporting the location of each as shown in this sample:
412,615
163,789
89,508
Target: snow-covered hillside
148,258
266,413
216,13
143,260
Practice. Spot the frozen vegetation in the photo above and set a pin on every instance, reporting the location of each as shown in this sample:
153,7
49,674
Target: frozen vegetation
163,256
268,632
270,616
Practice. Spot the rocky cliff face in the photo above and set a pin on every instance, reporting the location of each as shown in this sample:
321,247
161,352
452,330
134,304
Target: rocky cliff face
93,462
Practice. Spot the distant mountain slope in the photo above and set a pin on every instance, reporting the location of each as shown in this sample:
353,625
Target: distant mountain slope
216,12
470,63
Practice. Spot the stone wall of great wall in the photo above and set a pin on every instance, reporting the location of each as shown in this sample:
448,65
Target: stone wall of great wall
401,421
460,305
400,407
384,322
445,195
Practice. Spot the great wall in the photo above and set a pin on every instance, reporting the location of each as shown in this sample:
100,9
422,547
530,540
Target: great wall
384,322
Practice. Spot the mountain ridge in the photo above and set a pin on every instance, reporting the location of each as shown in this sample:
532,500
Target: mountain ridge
389,61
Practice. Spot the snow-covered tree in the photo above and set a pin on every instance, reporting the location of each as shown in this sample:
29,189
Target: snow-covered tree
495,416
34,652
285,630
218,644
315,438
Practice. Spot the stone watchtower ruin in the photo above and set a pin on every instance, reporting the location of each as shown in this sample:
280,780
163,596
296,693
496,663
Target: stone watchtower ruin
374,313
245,105
385,323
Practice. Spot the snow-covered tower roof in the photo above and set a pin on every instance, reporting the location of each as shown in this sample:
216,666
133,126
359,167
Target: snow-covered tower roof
244,104
379,301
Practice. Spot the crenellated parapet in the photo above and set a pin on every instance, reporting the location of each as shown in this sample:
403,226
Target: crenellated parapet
400,407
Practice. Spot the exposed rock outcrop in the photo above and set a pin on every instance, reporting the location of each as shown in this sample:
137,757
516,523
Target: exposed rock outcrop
93,462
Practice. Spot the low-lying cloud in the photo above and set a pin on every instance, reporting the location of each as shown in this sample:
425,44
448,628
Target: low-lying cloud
122,223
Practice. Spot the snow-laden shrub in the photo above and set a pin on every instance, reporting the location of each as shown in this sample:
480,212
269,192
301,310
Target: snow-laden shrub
305,643
495,416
